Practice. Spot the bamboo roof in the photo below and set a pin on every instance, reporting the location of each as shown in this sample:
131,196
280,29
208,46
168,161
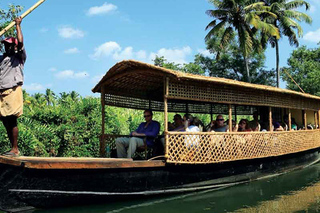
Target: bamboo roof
131,66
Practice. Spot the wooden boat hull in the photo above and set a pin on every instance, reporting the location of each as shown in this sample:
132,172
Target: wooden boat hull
21,185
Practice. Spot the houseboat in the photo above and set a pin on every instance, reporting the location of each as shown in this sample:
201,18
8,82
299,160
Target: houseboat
218,159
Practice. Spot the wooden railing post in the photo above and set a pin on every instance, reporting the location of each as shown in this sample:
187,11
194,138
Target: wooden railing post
102,139
270,120
319,119
230,118
315,120
289,119
165,100
305,119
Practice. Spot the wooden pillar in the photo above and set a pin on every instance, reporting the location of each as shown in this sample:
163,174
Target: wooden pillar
235,114
289,119
165,100
319,119
270,120
102,140
305,119
315,120
230,118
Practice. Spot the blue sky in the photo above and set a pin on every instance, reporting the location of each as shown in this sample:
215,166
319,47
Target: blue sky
71,44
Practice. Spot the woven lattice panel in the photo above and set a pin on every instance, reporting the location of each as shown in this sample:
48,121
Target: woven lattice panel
201,148
175,105
110,140
238,95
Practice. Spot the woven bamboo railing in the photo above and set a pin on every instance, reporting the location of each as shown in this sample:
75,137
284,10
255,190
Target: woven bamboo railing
213,147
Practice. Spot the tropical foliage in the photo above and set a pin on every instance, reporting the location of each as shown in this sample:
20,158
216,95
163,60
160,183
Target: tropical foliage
304,67
286,21
241,18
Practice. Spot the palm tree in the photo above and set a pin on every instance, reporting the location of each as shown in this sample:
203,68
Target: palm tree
241,17
285,21
50,97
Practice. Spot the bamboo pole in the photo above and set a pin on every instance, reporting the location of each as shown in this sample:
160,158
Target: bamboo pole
315,120
103,142
319,119
270,120
230,118
305,119
289,119
165,100
22,16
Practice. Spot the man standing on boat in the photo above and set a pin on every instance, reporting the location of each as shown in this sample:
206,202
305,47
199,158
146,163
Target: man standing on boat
11,80
149,130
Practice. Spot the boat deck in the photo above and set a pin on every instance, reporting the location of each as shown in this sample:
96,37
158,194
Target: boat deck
76,163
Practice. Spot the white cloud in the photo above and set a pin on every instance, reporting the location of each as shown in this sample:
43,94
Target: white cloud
312,36
141,54
127,53
173,55
70,74
72,51
113,50
205,52
101,10
69,32
34,87
105,50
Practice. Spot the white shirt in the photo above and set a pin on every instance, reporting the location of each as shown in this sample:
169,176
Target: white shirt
192,140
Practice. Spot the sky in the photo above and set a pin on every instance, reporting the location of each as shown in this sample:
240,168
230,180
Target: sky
71,44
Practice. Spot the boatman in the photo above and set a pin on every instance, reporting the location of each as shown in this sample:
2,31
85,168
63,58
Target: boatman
126,147
11,80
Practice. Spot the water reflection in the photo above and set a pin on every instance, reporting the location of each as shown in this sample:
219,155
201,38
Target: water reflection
297,191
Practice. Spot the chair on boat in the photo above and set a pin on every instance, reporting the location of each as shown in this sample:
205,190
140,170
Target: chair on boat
145,152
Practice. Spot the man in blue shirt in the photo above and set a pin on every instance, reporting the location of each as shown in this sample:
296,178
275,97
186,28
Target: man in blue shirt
126,147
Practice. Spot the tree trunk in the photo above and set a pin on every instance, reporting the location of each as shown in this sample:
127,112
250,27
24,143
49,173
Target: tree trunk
277,63
247,68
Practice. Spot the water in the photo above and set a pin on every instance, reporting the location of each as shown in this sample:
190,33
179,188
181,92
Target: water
297,191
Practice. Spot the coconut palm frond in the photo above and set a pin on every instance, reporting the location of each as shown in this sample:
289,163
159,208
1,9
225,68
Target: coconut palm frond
298,16
215,30
295,4
254,6
226,37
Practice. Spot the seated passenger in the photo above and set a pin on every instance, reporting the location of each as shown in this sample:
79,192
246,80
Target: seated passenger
255,124
177,125
218,125
192,125
244,126
126,147
277,126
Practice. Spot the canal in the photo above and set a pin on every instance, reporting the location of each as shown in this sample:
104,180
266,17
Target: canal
297,191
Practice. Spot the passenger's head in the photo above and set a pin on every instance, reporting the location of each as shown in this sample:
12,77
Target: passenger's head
178,119
244,124
187,119
220,121
148,115
196,121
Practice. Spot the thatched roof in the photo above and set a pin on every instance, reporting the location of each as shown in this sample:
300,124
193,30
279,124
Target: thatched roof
140,72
